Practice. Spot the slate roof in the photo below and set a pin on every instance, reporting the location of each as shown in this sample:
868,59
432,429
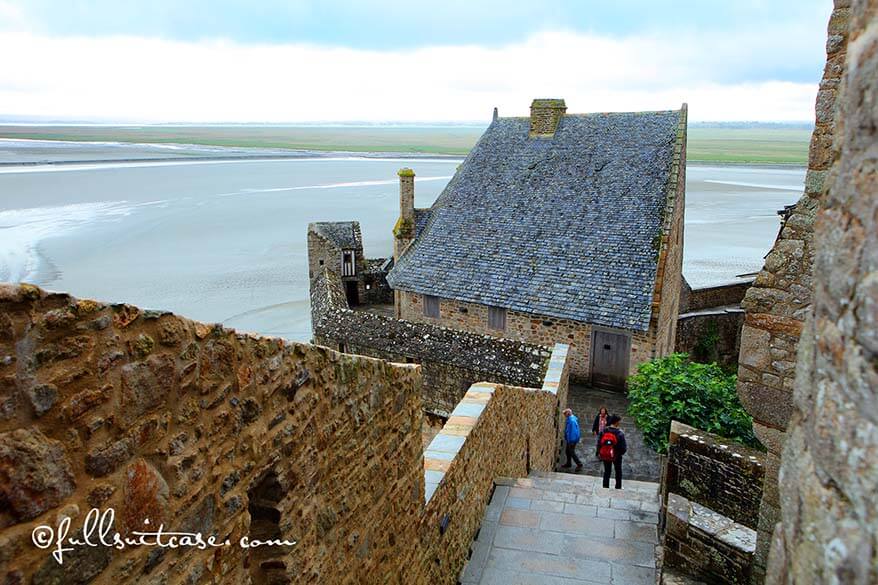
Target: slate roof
344,234
563,226
422,216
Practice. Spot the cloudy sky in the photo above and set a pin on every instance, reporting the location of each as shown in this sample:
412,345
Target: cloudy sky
403,60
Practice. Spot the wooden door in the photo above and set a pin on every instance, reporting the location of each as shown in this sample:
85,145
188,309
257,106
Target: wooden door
352,293
609,359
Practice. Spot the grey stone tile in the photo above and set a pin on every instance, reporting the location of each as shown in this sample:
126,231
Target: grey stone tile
559,496
523,518
528,539
527,493
498,576
641,516
548,564
620,552
639,531
613,514
446,443
621,504
572,524
500,493
517,503
593,500
650,506
468,409
547,506
431,476
473,570
486,532
630,575
581,510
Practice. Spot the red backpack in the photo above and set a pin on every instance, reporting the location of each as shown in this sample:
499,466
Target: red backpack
607,452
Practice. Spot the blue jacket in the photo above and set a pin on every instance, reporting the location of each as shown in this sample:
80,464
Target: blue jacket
571,430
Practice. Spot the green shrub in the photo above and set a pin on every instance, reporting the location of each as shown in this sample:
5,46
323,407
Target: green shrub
699,395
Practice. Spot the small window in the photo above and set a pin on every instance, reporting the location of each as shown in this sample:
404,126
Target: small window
321,262
497,318
348,267
431,306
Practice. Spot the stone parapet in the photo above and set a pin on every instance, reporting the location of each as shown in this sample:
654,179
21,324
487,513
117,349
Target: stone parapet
201,429
714,472
705,545
495,431
452,360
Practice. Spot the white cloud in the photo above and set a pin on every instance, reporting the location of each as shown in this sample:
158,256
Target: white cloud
151,80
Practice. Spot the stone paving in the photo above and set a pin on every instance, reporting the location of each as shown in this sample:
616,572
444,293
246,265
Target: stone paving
640,463
562,529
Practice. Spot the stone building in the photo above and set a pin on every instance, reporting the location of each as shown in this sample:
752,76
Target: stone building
338,246
557,227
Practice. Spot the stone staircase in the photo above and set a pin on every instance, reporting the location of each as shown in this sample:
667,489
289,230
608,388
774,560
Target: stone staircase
559,528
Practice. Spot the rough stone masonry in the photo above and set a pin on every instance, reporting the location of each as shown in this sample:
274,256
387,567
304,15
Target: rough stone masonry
829,471
780,299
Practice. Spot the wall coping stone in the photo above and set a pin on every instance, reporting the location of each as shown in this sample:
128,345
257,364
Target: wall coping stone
440,453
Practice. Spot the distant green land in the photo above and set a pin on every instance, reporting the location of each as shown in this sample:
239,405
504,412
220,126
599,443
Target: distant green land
718,144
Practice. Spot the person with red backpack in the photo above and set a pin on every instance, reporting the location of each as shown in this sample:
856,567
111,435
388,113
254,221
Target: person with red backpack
612,446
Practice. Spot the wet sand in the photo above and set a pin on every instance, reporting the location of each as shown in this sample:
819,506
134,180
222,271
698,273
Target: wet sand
224,241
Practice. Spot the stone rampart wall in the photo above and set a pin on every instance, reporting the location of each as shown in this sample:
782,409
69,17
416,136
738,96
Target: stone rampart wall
711,336
452,360
714,472
697,299
494,431
780,299
711,489
204,430
828,488
706,545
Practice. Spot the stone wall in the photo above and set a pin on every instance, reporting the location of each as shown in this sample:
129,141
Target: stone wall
780,299
204,430
669,271
495,431
711,297
711,336
451,360
714,472
829,471
531,329
376,289
711,489
702,544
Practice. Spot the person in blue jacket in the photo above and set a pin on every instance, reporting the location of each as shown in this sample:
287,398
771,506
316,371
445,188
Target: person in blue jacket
571,438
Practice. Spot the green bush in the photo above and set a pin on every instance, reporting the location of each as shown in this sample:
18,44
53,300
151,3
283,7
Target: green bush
699,395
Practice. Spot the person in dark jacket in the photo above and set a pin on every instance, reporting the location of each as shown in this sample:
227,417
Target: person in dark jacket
571,438
618,450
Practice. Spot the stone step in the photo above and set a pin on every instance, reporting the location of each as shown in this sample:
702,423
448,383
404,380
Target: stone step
563,528
583,494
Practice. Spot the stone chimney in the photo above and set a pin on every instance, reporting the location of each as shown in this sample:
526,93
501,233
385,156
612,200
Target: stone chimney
406,193
545,114
404,230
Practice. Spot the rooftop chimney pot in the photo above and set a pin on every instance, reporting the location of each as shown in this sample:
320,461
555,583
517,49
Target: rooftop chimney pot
545,114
